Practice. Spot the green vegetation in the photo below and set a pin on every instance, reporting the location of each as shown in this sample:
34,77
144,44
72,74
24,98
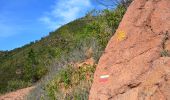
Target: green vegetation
16,84
44,60
71,82
104,24
164,53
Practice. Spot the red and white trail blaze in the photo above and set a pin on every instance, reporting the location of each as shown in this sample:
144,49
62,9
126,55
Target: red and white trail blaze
104,78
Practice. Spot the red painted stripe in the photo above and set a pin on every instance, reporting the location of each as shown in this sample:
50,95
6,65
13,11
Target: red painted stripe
103,79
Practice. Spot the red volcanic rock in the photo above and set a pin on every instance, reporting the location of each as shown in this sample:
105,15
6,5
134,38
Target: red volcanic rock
136,62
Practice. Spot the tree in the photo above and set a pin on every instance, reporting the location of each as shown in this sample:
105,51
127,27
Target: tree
32,57
30,66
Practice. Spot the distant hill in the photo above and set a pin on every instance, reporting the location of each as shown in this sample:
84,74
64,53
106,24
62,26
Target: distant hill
36,54
1,53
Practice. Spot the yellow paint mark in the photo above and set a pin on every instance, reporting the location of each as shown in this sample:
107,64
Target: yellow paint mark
121,36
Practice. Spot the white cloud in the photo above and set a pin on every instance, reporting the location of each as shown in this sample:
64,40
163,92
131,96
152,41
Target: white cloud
51,24
64,11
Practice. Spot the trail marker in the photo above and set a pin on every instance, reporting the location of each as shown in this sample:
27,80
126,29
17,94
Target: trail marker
121,35
103,78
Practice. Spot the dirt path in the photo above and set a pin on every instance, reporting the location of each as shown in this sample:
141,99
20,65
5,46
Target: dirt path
16,95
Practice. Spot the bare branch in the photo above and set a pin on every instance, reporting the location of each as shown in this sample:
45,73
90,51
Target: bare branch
114,3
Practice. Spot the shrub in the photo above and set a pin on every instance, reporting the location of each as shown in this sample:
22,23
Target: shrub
71,82
105,24
16,84
33,74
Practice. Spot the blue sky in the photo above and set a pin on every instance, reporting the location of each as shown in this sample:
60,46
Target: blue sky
23,21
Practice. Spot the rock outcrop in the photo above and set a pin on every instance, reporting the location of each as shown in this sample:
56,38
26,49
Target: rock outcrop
136,62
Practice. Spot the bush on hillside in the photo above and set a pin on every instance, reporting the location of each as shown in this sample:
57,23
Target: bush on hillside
71,82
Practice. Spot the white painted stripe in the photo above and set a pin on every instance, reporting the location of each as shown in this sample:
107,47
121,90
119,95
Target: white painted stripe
104,76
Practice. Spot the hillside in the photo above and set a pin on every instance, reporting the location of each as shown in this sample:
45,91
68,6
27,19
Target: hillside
39,54
39,61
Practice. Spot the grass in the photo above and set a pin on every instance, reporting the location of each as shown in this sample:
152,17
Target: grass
71,83
17,84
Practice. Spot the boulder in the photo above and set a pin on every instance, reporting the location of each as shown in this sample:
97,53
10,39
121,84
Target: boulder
136,62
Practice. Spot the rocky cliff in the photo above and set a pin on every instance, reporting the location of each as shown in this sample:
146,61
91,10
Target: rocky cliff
136,62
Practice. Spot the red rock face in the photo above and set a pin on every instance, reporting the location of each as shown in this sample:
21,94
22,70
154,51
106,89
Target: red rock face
136,62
